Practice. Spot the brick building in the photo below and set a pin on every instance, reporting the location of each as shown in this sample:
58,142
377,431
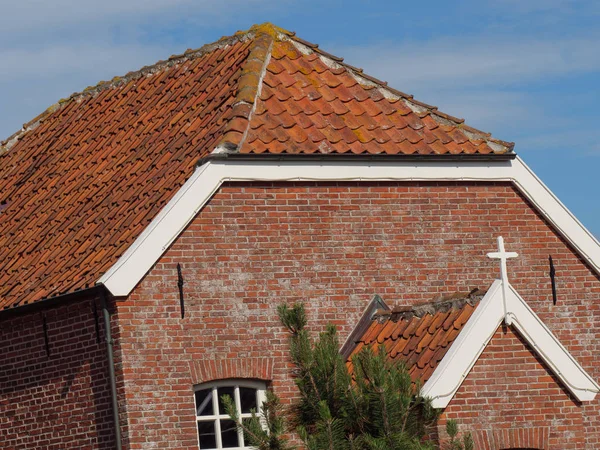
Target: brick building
182,203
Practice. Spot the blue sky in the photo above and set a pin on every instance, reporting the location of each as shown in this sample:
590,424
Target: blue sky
526,70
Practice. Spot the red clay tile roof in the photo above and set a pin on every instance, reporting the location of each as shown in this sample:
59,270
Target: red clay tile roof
419,336
312,103
79,183
82,185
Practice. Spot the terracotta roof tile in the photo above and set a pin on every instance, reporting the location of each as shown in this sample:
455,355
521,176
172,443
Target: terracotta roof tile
420,336
358,101
75,183
81,181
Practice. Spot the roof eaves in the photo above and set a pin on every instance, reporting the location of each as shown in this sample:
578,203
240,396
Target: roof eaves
228,151
49,302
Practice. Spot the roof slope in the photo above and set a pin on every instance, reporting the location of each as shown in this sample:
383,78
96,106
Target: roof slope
419,336
311,102
79,183
82,185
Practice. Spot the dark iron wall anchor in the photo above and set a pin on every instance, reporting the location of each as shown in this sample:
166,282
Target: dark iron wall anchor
552,278
180,286
46,338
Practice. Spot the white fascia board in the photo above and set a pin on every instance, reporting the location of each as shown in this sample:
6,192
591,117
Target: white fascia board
466,348
478,331
146,250
553,210
131,267
550,350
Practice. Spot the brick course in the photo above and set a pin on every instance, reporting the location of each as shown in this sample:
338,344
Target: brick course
334,246
60,401
205,370
510,400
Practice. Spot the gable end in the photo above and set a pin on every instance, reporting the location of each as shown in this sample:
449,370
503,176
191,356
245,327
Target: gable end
479,330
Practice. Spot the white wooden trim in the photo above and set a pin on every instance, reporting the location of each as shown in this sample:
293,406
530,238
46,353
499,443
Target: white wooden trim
555,212
478,331
131,267
236,384
466,349
550,350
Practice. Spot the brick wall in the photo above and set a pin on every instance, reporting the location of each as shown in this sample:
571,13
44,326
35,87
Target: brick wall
60,401
510,400
333,246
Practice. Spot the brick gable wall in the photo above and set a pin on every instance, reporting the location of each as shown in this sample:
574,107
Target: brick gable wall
334,246
510,400
60,401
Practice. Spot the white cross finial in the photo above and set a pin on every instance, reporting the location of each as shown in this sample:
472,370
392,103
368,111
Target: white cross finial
503,255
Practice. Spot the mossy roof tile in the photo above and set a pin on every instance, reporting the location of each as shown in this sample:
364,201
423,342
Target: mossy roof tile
82,180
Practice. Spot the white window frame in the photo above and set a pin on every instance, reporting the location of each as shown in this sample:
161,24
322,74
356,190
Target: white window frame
259,386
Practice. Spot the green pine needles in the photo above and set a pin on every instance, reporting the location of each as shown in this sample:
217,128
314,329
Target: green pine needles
374,408
267,431
455,443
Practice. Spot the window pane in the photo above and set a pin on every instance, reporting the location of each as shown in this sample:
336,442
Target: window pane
225,390
206,431
204,406
229,434
246,423
248,399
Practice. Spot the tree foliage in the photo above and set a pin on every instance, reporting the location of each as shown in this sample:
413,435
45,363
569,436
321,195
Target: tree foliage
455,443
265,432
373,408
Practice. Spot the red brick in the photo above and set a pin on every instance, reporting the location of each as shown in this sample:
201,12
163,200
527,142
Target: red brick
335,260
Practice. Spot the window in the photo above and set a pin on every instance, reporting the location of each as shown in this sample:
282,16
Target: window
215,429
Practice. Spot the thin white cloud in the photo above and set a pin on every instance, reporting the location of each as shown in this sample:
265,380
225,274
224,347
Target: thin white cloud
544,10
38,15
520,6
476,61
484,108
594,150
37,78
76,59
50,49
578,141
488,81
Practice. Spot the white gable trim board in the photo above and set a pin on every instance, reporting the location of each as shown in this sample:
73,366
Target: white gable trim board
131,267
125,274
479,330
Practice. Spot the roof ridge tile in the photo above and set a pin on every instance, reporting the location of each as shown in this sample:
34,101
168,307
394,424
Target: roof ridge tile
248,91
445,303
